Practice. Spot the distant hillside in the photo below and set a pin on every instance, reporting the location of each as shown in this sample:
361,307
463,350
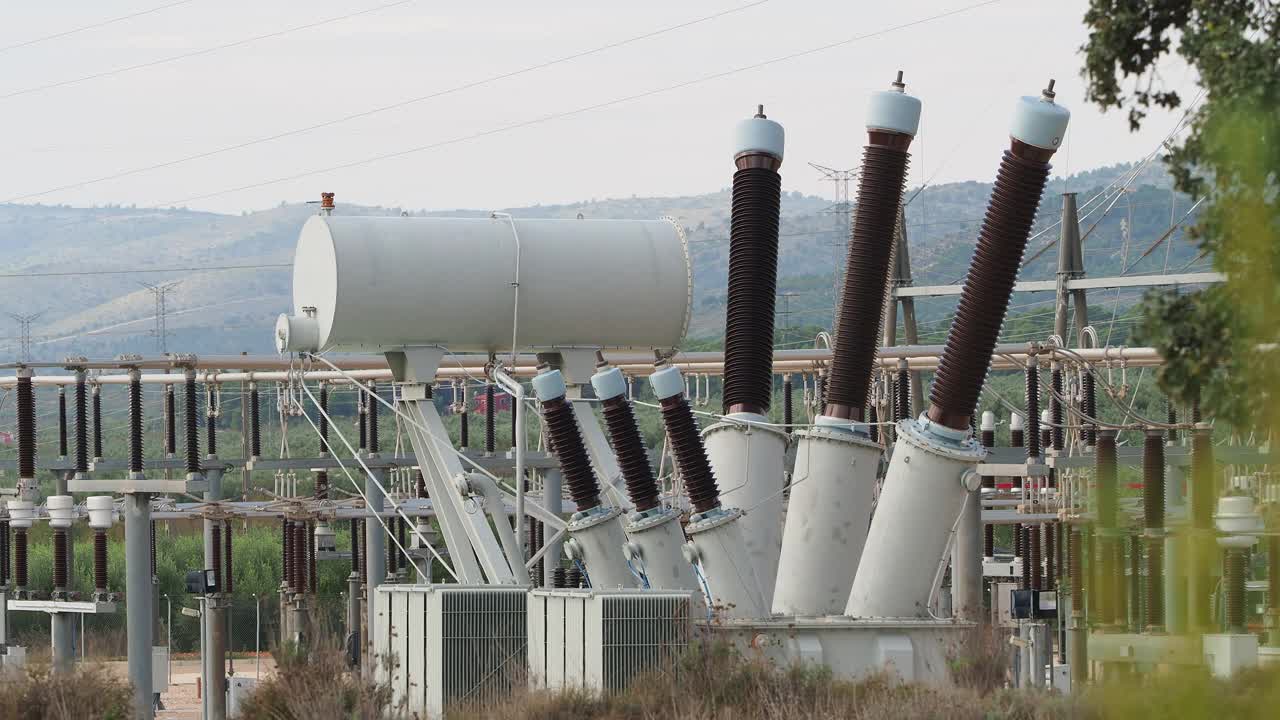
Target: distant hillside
108,312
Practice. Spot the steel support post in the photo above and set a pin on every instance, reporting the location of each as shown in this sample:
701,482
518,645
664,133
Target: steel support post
214,651
966,561
552,481
375,547
138,598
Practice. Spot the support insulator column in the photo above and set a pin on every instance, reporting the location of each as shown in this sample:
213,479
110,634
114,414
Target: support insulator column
191,422
82,424
1153,523
255,433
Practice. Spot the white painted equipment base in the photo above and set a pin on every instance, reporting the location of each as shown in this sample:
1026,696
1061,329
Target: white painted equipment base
600,540
832,489
659,539
911,650
917,508
1225,655
750,464
726,569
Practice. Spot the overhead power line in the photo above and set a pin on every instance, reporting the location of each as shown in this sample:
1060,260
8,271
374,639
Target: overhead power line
587,108
94,26
203,51
393,106
137,271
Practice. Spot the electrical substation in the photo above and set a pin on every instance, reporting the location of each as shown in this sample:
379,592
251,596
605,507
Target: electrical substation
859,533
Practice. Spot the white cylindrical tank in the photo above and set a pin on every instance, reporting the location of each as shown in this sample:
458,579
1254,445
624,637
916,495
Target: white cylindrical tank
716,546
919,504
832,492
599,543
749,461
375,283
655,550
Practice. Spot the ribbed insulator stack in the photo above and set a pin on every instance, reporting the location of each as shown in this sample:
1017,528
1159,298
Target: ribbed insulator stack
324,418
566,440
20,559
873,423
286,552
902,404
1104,458
1057,434
987,437
192,422
1076,571
753,265
100,561
355,545
1050,556
322,485
62,421
82,424
624,436
393,553
60,560
1020,551
211,432
1089,406
490,440
215,553
135,421
255,434
1038,127
5,563
26,427
229,575
1171,418
1235,567
788,403
892,122
170,420
372,403
1034,557
300,563
573,578
1032,433
312,582
559,580
153,549
686,445
364,555
97,421
1153,521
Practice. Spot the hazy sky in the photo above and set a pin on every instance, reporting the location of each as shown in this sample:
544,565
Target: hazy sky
967,69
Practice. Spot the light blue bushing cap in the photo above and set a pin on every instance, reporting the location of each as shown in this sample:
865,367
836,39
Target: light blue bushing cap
1039,121
893,110
667,382
609,383
758,135
549,385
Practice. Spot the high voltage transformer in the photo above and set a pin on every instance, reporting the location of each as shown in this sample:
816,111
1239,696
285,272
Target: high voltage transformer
863,537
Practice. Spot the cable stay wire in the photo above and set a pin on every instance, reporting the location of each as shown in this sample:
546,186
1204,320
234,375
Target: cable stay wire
94,26
202,51
586,108
1163,237
393,106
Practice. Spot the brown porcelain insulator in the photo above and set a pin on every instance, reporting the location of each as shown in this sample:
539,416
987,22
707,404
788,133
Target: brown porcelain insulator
192,425
1050,556
988,285
569,449
26,411
1153,479
355,545
324,418
1104,459
229,575
1032,427
1089,406
1235,568
1057,434
371,402
82,424
788,403
215,554
62,421
97,422
690,453
59,560
100,560
881,181
1076,563
20,558
489,412
989,540
310,530
286,552
752,287
170,420
322,485
1153,609
1171,415
628,446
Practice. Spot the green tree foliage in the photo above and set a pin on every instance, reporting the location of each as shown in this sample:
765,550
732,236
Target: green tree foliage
1215,341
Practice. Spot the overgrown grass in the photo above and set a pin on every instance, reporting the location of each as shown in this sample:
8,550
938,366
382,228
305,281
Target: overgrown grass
318,686
34,693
